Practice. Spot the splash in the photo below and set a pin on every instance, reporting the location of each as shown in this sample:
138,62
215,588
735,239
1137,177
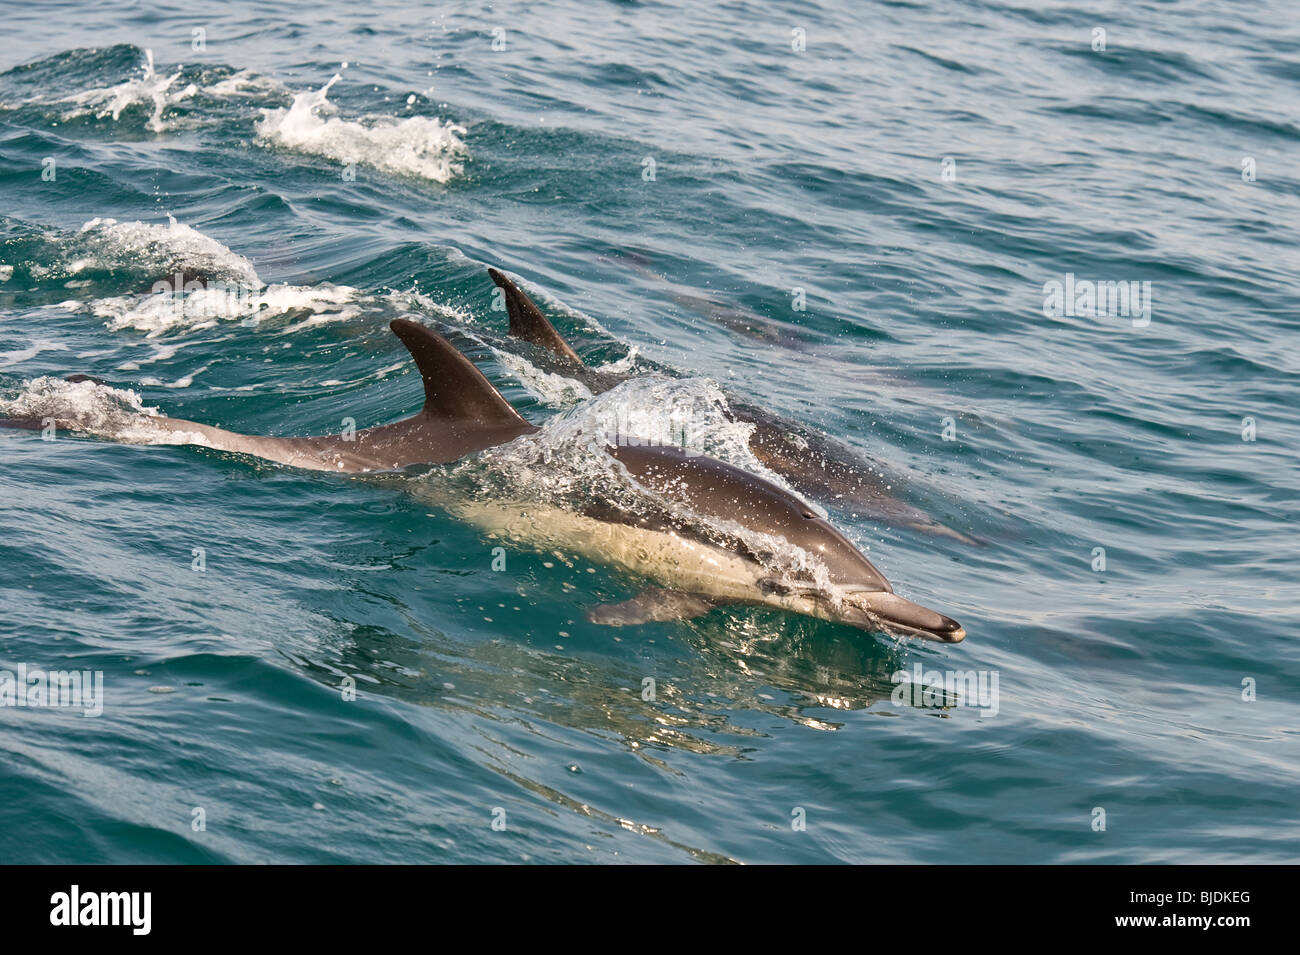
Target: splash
416,146
416,301
565,461
244,83
169,310
155,249
90,408
629,364
553,391
149,88
565,466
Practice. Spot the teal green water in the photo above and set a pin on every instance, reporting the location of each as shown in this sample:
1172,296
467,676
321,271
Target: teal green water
1161,690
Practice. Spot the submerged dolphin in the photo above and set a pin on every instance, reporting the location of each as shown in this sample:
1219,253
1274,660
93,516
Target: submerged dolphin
813,463
695,569
739,319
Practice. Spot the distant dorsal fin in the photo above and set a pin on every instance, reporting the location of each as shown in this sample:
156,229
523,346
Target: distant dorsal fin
528,322
454,388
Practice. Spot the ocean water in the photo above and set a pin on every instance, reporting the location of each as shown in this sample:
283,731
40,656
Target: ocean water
662,178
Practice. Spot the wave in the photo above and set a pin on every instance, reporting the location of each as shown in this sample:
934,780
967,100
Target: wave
169,310
20,355
94,409
161,259
149,88
124,251
161,249
416,146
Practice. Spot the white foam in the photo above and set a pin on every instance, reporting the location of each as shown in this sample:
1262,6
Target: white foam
31,351
159,248
149,88
414,146
164,311
160,353
554,391
86,406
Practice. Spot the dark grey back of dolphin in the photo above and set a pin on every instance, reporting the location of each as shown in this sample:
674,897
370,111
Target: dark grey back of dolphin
185,278
716,489
462,413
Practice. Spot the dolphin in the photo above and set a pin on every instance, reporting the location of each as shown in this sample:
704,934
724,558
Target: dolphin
741,320
692,565
813,463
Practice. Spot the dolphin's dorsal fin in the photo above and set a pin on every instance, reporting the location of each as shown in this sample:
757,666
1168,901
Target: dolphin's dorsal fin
454,388
528,322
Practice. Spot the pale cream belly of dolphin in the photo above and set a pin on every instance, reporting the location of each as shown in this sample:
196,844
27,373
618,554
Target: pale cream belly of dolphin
669,559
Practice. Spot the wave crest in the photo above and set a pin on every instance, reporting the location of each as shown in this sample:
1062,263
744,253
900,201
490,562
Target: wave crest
417,146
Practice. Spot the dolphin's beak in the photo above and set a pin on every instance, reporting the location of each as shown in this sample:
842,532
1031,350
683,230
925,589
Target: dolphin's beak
894,613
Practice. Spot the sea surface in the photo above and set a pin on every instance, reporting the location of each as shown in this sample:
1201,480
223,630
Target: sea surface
849,214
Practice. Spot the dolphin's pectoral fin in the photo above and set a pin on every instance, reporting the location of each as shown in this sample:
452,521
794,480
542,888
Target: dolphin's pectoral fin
942,530
654,605
528,322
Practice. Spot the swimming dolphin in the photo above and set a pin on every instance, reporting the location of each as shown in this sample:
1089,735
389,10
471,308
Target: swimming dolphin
813,463
695,569
739,319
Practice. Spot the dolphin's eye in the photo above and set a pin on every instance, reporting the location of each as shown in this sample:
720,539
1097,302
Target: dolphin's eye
808,516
